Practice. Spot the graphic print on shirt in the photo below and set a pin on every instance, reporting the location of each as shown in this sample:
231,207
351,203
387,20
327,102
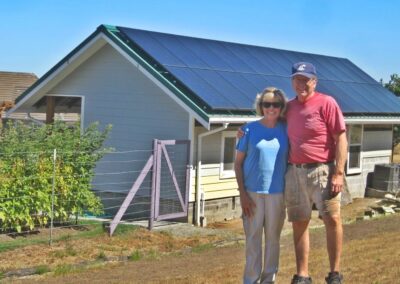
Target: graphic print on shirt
268,153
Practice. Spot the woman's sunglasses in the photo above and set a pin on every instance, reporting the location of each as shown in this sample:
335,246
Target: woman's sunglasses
274,105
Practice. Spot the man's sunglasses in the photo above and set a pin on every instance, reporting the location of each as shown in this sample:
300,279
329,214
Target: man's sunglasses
274,105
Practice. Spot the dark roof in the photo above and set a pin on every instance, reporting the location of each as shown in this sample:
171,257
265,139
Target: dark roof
222,78
225,76
13,84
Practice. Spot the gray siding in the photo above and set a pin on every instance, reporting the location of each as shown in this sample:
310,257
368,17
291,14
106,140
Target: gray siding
116,93
211,144
377,140
376,149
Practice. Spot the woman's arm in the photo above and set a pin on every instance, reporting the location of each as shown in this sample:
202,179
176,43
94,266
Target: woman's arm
245,201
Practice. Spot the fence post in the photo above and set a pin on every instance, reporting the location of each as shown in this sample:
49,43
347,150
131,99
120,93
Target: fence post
52,196
153,185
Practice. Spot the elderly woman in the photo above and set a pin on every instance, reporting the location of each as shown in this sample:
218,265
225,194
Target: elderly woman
260,166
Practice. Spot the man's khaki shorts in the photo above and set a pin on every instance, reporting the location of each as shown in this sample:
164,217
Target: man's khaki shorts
308,185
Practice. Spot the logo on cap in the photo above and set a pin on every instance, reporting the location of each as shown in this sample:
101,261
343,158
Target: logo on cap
302,67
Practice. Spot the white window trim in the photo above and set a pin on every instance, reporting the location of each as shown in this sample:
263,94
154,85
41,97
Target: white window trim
226,173
357,170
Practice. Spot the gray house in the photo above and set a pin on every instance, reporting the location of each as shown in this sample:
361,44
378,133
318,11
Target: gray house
152,85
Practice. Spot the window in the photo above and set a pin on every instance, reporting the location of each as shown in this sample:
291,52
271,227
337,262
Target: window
228,151
354,136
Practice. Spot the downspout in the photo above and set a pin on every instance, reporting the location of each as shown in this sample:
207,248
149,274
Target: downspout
198,168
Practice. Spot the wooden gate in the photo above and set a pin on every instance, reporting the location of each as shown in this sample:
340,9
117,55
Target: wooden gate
169,164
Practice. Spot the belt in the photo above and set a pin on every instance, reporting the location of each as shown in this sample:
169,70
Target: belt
310,165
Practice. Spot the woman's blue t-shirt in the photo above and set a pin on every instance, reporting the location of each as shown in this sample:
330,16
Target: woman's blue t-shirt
266,158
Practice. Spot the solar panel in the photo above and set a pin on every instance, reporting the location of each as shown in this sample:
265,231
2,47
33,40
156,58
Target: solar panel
227,76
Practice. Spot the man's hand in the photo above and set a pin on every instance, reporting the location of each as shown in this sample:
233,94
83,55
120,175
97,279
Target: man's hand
247,204
240,133
337,184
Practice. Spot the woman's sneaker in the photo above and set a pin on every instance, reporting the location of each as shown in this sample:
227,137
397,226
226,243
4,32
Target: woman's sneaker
334,278
301,280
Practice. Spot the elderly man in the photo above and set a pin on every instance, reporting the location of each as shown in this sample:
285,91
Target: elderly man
317,156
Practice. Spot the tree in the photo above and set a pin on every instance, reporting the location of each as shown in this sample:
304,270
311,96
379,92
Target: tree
394,84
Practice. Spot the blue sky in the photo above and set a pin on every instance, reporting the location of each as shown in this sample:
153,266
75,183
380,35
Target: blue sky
36,34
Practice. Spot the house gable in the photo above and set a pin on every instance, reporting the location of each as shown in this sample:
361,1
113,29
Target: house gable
116,92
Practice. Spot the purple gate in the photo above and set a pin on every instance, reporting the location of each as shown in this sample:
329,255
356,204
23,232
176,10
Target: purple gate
169,164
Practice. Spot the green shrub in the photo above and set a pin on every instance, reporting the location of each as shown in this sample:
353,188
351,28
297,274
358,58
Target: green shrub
26,173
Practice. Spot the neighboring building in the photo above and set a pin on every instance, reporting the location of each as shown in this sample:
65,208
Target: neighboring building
151,85
13,84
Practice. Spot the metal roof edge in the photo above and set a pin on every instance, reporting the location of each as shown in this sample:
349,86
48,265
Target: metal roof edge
112,33
372,119
349,119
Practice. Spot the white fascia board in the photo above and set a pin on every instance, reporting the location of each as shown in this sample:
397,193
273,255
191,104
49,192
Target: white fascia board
157,82
372,120
236,119
59,71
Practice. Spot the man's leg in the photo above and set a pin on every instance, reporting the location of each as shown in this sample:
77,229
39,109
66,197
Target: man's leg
334,237
301,246
299,213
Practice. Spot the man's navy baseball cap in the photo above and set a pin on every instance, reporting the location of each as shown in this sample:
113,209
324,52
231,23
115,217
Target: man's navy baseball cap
305,69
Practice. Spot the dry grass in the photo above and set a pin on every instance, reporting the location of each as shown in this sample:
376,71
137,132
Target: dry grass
134,243
370,255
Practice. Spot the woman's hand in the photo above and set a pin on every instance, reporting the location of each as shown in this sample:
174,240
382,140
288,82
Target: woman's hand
247,204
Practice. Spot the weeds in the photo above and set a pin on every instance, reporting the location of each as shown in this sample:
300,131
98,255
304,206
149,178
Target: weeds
93,229
101,256
63,269
135,256
202,247
68,251
123,229
152,254
42,269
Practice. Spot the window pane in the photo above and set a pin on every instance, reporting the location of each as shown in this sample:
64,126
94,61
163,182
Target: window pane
354,157
229,152
355,134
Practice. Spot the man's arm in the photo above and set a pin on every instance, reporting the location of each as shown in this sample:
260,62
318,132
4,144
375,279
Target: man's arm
340,161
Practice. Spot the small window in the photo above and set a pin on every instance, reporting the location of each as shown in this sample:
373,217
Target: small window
228,151
354,136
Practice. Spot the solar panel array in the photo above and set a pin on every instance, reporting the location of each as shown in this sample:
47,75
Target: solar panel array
227,76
